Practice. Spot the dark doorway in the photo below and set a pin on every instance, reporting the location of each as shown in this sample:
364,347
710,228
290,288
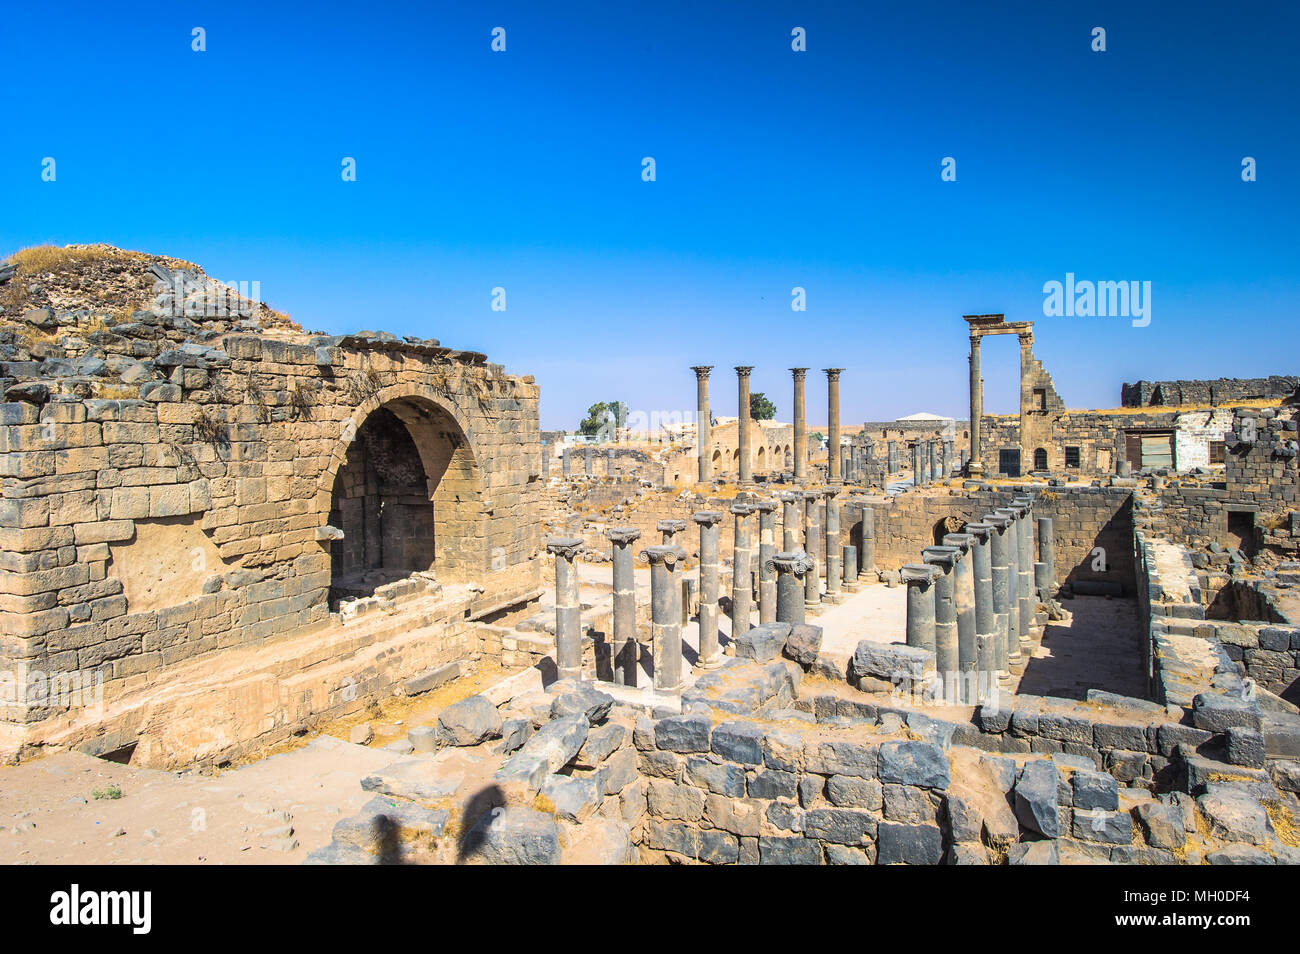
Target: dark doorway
1009,462
1241,531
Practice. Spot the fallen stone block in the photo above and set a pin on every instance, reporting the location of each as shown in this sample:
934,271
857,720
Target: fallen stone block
469,722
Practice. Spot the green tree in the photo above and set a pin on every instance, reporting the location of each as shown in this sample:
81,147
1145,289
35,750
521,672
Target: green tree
760,408
602,417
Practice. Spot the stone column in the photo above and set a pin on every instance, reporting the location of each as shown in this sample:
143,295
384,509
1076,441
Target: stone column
834,475
704,422
800,427
891,459
626,650
1028,620
833,548
976,405
813,548
850,554
1015,658
546,461
1045,578
586,451
791,569
934,460
916,464
868,557
742,424
945,466
920,578
789,521
670,529
766,550
609,462
568,619
987,640
666,614
566,462
742,580
964,595
710,653
945,616
1000,564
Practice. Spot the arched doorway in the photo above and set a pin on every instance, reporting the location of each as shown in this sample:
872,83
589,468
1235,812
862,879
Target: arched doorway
1040,458
406,495
762,460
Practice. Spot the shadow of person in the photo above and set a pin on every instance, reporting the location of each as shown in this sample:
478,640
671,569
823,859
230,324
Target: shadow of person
485,801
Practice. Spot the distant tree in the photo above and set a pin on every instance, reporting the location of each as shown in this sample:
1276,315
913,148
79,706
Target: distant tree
760,408
817,436
602,417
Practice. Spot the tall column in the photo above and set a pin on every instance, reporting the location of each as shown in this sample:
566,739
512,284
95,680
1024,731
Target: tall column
934,460
789,521
868,556
666,614
1028,619
586,456
964,595
704,422
976,406
833,424
766,550
833,546
626,649
568,620
945,466
891,460
945,616
710,654
916,463
546,461
609,462
800,427
1000,566
813,547
566,462
791,568
742,585
850,554
742,423
987,643
1045,578
920,578
670,529
1015,658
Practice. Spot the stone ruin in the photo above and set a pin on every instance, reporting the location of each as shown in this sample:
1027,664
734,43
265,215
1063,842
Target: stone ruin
878,657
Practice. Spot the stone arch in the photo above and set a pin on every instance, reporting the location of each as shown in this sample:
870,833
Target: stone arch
405,474
761,463
1040,458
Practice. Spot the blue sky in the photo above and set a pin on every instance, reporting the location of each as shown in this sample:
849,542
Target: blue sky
774,169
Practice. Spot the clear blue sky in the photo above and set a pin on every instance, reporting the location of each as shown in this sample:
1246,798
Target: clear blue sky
775,169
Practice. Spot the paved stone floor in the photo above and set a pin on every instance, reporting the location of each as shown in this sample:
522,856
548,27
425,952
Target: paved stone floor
1100,648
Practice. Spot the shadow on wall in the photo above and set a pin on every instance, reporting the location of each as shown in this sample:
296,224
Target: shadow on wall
1111,556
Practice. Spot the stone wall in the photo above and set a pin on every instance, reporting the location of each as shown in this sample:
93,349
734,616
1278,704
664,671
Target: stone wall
1207,393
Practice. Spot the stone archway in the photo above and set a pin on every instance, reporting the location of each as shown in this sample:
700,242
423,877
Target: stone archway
406,490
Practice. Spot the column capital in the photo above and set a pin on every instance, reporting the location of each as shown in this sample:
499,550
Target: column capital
789,496
998,521
742,370
742,510
566,547
919,574
792,561
764,506
671,526
959,541
666,554
798,373
702,370
707,518
833,373
944,557
623,535
980,531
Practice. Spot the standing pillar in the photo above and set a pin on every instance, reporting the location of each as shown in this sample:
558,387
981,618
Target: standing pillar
987,645
670,529
666,614
586,456
891,459
791,568
945,616
964,596
1000,565
1045,578
1028,618
868,556
766,550
742,580
626,650
800,427
833,548
850,555
812,547
703,422
833,472
789,521
920,578
1015,639
568,621
742,424
566,462
546,461
933,446
609,462
710,654
976,406
945,467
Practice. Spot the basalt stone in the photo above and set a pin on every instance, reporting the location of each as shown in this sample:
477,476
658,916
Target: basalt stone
1111,828
573,798
1234,817
685,733
908,844
887,661
513,836
1245,747
718,848
575,698
1285,775
554,744
845,791
469,722
773,783
993,719
841,758
514,733
1162,825
763,643
423,739
1094,790
1239,855
724,779
804,643
601,743
1217,713
840,825
1034,853
1035,798
914,763
776,850
739,742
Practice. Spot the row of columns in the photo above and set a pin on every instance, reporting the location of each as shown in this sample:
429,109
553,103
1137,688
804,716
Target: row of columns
972,600
931,460
566,461
703,428
788,580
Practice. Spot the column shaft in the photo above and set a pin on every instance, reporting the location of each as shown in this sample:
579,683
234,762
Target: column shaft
742,423
800,427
